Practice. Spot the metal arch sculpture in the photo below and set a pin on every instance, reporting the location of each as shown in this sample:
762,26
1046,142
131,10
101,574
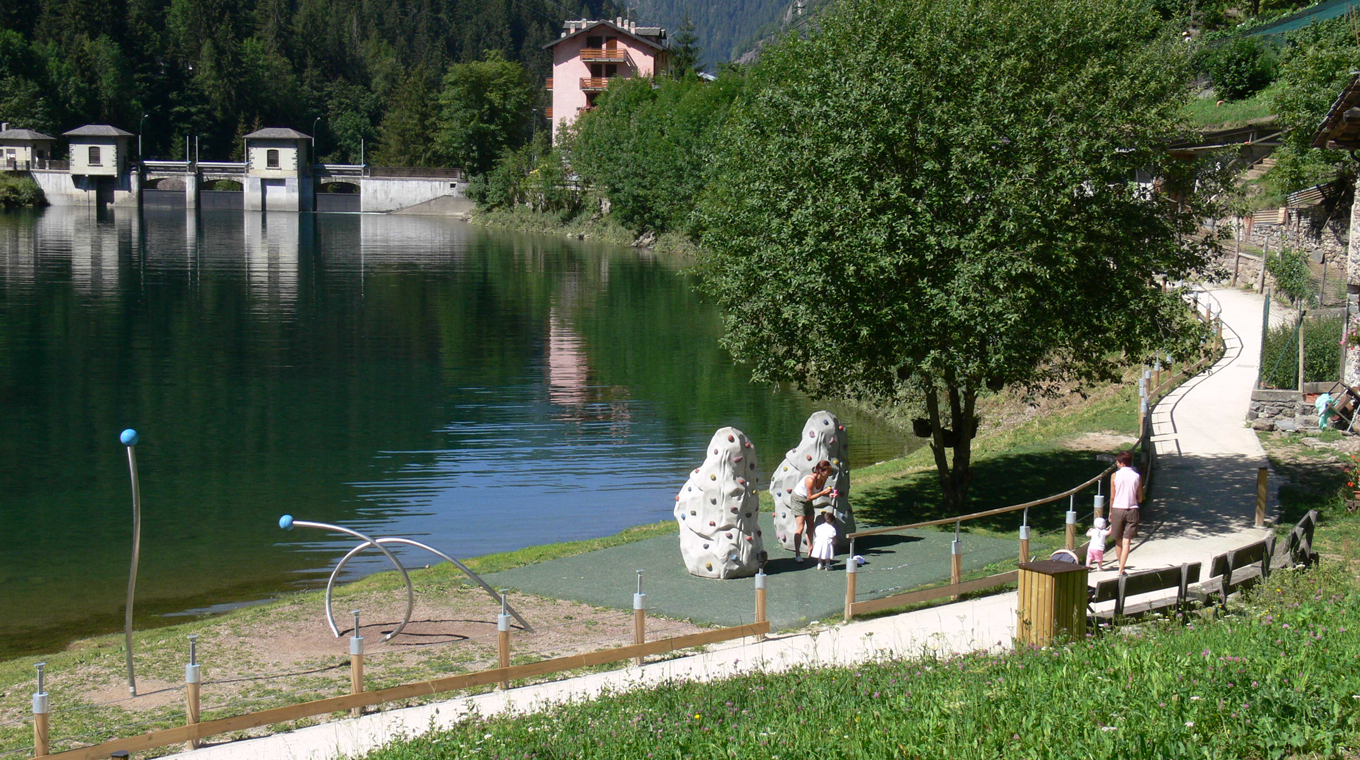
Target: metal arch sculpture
288,523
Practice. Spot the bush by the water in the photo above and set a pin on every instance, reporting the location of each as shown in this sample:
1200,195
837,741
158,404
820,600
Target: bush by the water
1280,677
20,191
1322,349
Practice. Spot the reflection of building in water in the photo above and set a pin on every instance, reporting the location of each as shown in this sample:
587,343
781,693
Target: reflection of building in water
271,243
412,239
94,240
18,252
569,384
568,372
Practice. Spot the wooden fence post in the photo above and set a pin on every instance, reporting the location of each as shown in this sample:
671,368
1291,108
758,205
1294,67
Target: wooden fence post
356,663
956,560
1261,474
760,597
503,638
1024,538
850,591
42,707
1302,313
193,682
639,618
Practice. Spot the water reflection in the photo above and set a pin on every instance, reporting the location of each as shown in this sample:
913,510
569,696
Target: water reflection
405,375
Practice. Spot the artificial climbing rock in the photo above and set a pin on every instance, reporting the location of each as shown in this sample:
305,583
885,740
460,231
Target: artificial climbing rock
823,437
718,509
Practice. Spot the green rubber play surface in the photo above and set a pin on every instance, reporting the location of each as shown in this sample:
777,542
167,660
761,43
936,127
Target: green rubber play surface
797,592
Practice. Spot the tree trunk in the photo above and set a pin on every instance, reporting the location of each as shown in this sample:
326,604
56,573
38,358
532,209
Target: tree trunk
955,477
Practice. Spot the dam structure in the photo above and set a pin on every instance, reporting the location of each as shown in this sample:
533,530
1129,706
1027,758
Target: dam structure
276,175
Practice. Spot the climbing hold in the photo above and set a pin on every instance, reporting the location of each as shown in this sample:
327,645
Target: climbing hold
730,439
712,477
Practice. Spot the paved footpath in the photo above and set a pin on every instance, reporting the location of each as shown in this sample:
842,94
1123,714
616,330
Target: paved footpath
1204,504
1204,491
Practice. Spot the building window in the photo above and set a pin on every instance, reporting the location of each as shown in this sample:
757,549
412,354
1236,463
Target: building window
271,159
94,156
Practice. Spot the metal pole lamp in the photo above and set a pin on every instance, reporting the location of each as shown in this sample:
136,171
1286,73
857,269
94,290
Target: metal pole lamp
140,155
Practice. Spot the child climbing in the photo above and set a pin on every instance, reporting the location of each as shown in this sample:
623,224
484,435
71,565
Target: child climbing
1095,551
824,541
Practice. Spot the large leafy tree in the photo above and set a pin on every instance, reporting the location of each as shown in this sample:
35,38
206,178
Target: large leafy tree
928,198
485,110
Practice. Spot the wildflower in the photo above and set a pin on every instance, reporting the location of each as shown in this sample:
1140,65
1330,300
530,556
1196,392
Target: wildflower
1190,723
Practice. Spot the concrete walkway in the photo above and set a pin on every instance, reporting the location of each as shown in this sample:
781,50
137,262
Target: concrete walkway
1204,505
1204,495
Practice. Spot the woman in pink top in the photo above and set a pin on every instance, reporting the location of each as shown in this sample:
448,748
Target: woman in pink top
1126,493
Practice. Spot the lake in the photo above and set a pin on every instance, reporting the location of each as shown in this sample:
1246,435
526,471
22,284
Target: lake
478,390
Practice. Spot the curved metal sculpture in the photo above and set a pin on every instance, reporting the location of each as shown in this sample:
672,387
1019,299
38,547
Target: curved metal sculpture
129,439
495,596
287,523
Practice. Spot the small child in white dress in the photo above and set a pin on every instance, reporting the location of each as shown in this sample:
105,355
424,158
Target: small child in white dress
1095,551
824,541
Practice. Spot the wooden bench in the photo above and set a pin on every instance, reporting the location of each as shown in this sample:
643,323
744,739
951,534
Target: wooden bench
1239,568
1298,545
1121,588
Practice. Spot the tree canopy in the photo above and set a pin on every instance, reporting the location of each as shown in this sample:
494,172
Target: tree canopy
927,198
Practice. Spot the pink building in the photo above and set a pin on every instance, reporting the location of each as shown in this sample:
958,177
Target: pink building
590,53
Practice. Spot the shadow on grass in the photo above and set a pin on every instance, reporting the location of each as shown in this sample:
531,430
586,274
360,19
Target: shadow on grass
1017,476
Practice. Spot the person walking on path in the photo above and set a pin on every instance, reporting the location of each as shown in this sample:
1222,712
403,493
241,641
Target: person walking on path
809,488
1126,493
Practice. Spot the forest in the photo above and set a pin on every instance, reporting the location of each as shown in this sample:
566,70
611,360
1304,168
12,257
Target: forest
352,72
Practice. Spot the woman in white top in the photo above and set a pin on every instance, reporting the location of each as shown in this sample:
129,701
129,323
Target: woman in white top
1126,493
811,487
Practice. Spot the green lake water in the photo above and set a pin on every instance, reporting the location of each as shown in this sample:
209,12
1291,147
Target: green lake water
478,390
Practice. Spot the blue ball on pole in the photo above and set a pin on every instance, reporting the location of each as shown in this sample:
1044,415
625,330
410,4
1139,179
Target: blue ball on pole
286,522
129,437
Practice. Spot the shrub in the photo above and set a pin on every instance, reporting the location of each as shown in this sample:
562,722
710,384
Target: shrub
1239,67
1290,270
1322,348
20,191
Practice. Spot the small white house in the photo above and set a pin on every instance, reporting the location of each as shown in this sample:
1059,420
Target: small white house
22,149
277,175
98,150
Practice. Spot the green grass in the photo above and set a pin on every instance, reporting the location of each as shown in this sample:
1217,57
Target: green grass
1026,462
1205,112
1276,677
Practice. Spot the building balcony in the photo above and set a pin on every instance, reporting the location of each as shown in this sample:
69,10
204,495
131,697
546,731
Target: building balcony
594,84
547,113
550,83
603,55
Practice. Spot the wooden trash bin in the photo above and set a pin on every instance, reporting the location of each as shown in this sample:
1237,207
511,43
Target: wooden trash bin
1052,602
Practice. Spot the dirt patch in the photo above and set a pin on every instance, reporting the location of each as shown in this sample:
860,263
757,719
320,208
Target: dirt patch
1106,442
289,649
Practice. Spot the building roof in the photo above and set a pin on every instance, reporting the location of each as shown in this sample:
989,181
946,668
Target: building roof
586,26
1340,128
277,133
27,135
96,130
